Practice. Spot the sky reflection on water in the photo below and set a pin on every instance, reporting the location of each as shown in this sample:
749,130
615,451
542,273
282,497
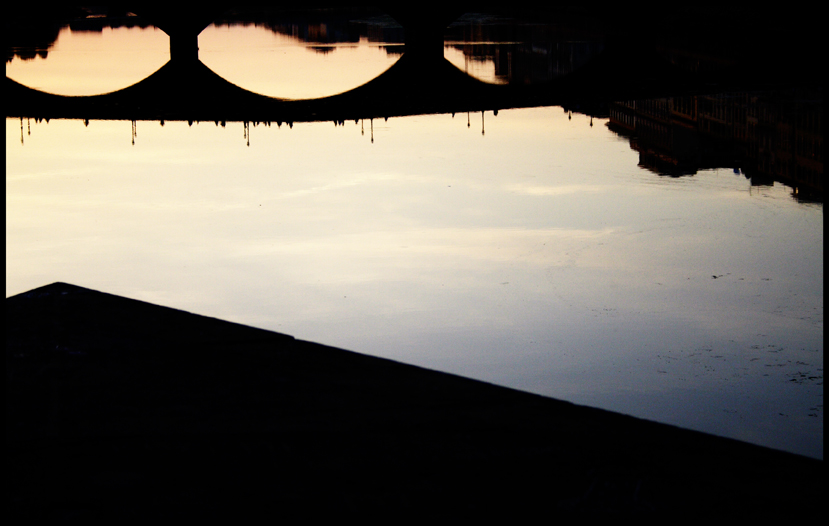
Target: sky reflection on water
537,255
305,70
91,63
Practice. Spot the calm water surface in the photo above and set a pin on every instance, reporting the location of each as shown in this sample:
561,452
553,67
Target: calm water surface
526,249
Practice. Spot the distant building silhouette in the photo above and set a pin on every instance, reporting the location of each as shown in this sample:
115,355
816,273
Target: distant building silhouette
768,136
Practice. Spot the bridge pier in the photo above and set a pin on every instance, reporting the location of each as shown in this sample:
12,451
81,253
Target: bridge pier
424,41
182,26
424,30
184,46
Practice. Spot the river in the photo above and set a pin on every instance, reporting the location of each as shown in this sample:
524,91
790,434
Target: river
538,248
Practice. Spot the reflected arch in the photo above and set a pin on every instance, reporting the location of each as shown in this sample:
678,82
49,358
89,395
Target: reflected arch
300,56
91,57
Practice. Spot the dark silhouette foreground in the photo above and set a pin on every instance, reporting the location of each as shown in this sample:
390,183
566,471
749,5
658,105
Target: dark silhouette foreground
117,408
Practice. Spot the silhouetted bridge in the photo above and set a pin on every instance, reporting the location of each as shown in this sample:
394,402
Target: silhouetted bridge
421,82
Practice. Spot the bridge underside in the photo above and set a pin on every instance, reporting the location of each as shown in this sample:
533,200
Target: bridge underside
422,81
190,91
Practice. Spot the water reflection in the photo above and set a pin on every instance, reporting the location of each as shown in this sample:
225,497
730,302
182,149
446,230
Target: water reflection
98,52
537,255
299,55
768,136
88,56
540,248
516,50
310,56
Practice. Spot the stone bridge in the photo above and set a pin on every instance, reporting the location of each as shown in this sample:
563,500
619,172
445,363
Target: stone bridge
421,82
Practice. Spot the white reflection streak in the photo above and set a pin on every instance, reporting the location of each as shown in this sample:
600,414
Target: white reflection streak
42,174
482,244
557,190
334,186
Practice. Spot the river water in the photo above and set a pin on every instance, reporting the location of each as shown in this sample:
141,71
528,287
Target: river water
533,248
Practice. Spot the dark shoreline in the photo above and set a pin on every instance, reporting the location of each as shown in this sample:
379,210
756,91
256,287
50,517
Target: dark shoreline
117,408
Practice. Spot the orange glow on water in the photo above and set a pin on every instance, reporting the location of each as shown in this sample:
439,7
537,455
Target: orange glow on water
91,63
282,66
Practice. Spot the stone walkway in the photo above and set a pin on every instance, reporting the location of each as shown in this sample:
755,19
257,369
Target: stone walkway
117,408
